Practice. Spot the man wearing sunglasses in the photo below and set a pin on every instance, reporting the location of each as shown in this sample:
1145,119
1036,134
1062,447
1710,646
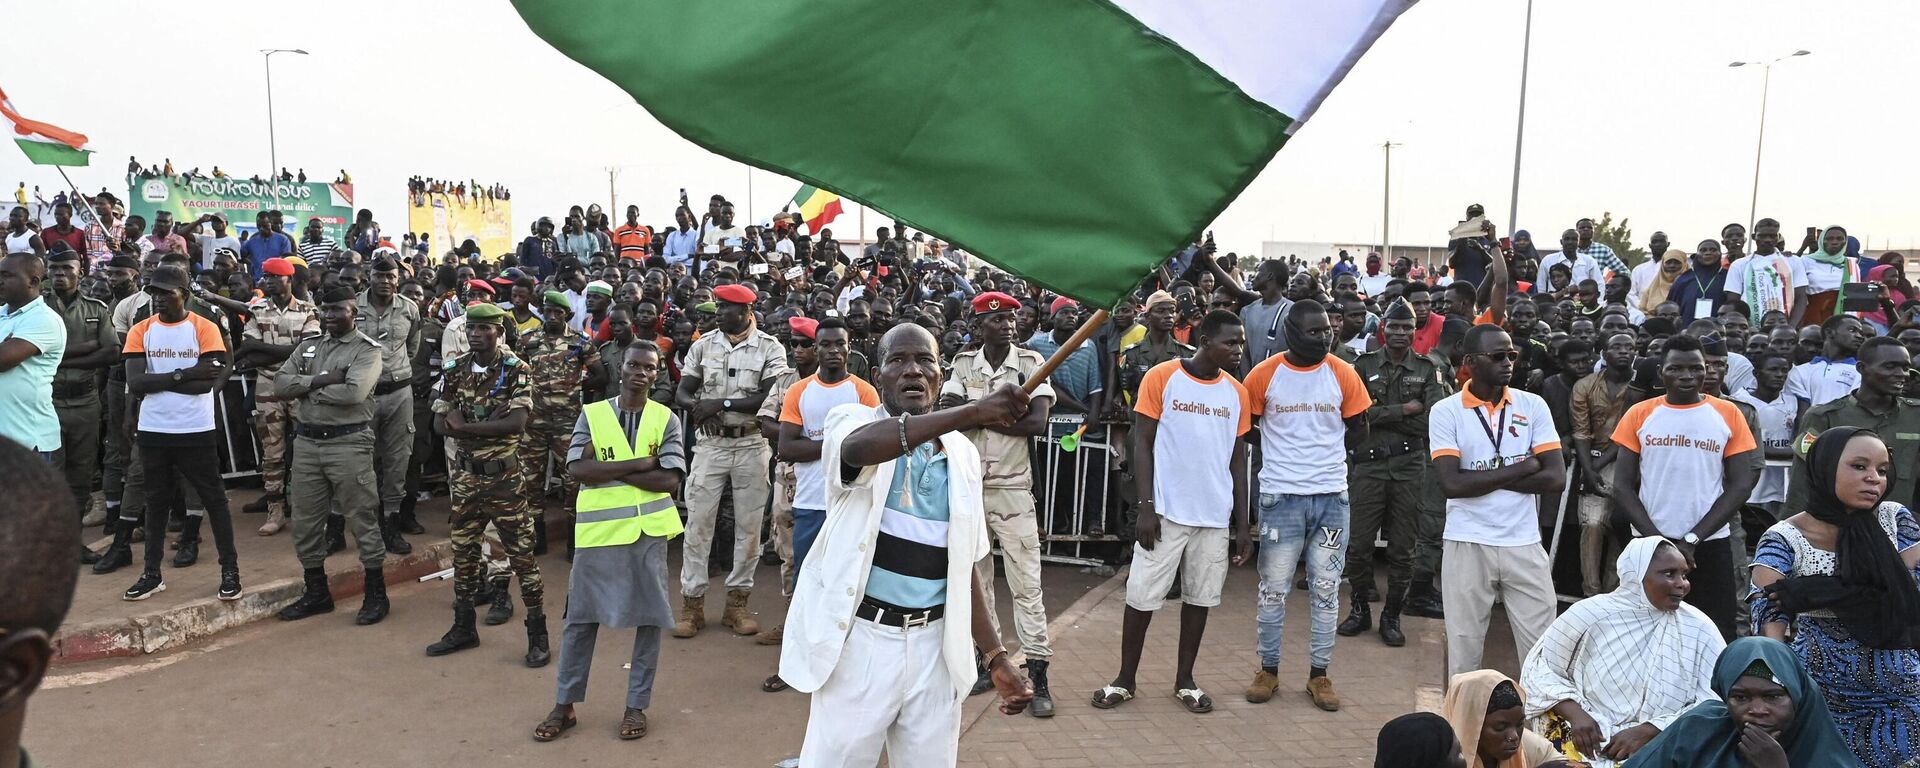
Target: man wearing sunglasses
1494,451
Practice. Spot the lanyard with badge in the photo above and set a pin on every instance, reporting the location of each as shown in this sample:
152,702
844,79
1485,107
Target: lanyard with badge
1494,435
1703,306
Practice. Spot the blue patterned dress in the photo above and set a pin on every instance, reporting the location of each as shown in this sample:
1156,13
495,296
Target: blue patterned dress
1874,694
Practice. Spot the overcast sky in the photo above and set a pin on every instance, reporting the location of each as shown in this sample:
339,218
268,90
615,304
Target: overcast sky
1631,109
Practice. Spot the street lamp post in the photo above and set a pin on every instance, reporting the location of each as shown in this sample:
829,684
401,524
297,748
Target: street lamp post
1520,122
1386,202
273,150
1766,81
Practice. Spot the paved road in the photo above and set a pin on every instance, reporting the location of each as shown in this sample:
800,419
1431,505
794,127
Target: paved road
323,692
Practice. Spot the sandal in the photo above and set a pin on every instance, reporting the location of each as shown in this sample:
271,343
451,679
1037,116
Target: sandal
1195,700
634,725
1111,696
773,684
555,724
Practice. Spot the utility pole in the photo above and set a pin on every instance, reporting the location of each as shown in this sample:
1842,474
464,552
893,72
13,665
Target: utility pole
1520,123
1386,203
613,199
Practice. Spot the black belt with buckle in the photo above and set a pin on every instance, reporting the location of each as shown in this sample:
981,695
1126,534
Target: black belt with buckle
743,431
390,387
488,468
889,616
72,389
327,431
1384,452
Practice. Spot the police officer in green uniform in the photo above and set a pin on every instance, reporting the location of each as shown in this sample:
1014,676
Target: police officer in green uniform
1162,310
1387,469
394,322
1876,405
91,345
330,377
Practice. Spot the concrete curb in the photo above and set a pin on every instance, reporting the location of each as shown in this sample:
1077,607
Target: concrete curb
151,632
1056,629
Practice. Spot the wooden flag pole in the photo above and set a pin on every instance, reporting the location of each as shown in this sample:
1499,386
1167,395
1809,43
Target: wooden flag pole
1087,329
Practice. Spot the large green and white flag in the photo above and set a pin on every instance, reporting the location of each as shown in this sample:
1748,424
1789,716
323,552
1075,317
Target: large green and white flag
1078,143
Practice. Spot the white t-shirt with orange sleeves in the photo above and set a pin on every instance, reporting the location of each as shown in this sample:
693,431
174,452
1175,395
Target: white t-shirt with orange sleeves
1199,420
806,404
1302,430
1681,449
170,347
1458,426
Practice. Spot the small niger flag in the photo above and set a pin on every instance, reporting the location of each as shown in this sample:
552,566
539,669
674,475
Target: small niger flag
44,144
818,207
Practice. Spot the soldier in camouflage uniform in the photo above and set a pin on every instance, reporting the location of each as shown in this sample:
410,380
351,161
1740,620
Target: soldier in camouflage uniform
485,397
560,360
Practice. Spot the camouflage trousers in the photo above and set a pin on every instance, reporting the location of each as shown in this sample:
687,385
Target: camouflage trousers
783,482
546,436
270,418
477,501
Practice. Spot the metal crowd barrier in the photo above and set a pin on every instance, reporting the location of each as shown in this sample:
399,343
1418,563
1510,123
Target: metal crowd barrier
1073,496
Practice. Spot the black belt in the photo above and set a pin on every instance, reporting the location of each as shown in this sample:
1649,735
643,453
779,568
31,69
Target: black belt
742,431
72,389
1384,452
326,431
893,617
390,387
488,468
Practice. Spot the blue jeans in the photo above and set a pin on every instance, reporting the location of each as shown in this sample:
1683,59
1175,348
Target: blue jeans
806,526
1289,525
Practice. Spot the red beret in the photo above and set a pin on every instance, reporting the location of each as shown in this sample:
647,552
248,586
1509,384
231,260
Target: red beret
734,294
804,327
479,285
277,266
1061,302
993,301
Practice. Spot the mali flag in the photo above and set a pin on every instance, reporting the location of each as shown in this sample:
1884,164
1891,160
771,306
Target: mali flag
818,207
1076,143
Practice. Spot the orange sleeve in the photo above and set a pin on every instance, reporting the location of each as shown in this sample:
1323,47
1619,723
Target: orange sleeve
137,338
1246,407
1354,398
1258,380
1439,452
790,403
208,335
1741,440
1153,388
1627,434
1485,318
869,397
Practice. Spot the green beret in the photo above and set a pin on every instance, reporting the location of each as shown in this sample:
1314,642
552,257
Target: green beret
482,312
557,299
706,306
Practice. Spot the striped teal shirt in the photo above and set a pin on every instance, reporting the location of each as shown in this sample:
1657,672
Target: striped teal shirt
910,557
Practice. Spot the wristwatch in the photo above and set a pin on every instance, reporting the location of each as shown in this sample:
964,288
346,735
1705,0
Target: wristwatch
178,377
726,404
1692,539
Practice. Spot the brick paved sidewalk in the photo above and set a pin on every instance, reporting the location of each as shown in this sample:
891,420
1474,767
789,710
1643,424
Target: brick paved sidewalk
1376,684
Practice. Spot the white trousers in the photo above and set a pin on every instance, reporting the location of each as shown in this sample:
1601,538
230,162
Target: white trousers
890,688
1522,577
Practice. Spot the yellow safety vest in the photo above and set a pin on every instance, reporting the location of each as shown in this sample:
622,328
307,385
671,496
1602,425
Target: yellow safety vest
616,514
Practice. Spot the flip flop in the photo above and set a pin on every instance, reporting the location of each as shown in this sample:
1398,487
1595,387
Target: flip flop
1195,700
633,726
1111,696
552,727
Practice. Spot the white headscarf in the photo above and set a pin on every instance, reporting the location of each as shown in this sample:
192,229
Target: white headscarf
1622,659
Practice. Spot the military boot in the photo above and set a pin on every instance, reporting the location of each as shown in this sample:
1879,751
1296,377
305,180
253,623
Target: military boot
1359,619
316,600
188,552
461,636
336,534
735,616
373,604
537,653
1423,601
1390,622
119,554
390,534
1042,704
692,617
502,608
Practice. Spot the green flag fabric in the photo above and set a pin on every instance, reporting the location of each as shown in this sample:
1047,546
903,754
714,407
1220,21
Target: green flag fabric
1076,143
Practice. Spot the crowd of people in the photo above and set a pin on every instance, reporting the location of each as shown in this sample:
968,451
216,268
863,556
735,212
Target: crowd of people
1723,426
138,172
420,187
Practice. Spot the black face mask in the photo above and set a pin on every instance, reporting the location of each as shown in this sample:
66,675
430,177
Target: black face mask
1304,349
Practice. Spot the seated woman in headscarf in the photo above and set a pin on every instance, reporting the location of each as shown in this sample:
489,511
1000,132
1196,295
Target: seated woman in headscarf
1768,713
1616,669
1417,740
1842,576
1484,708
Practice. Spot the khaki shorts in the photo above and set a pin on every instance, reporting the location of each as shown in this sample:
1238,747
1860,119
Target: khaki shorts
1198,555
